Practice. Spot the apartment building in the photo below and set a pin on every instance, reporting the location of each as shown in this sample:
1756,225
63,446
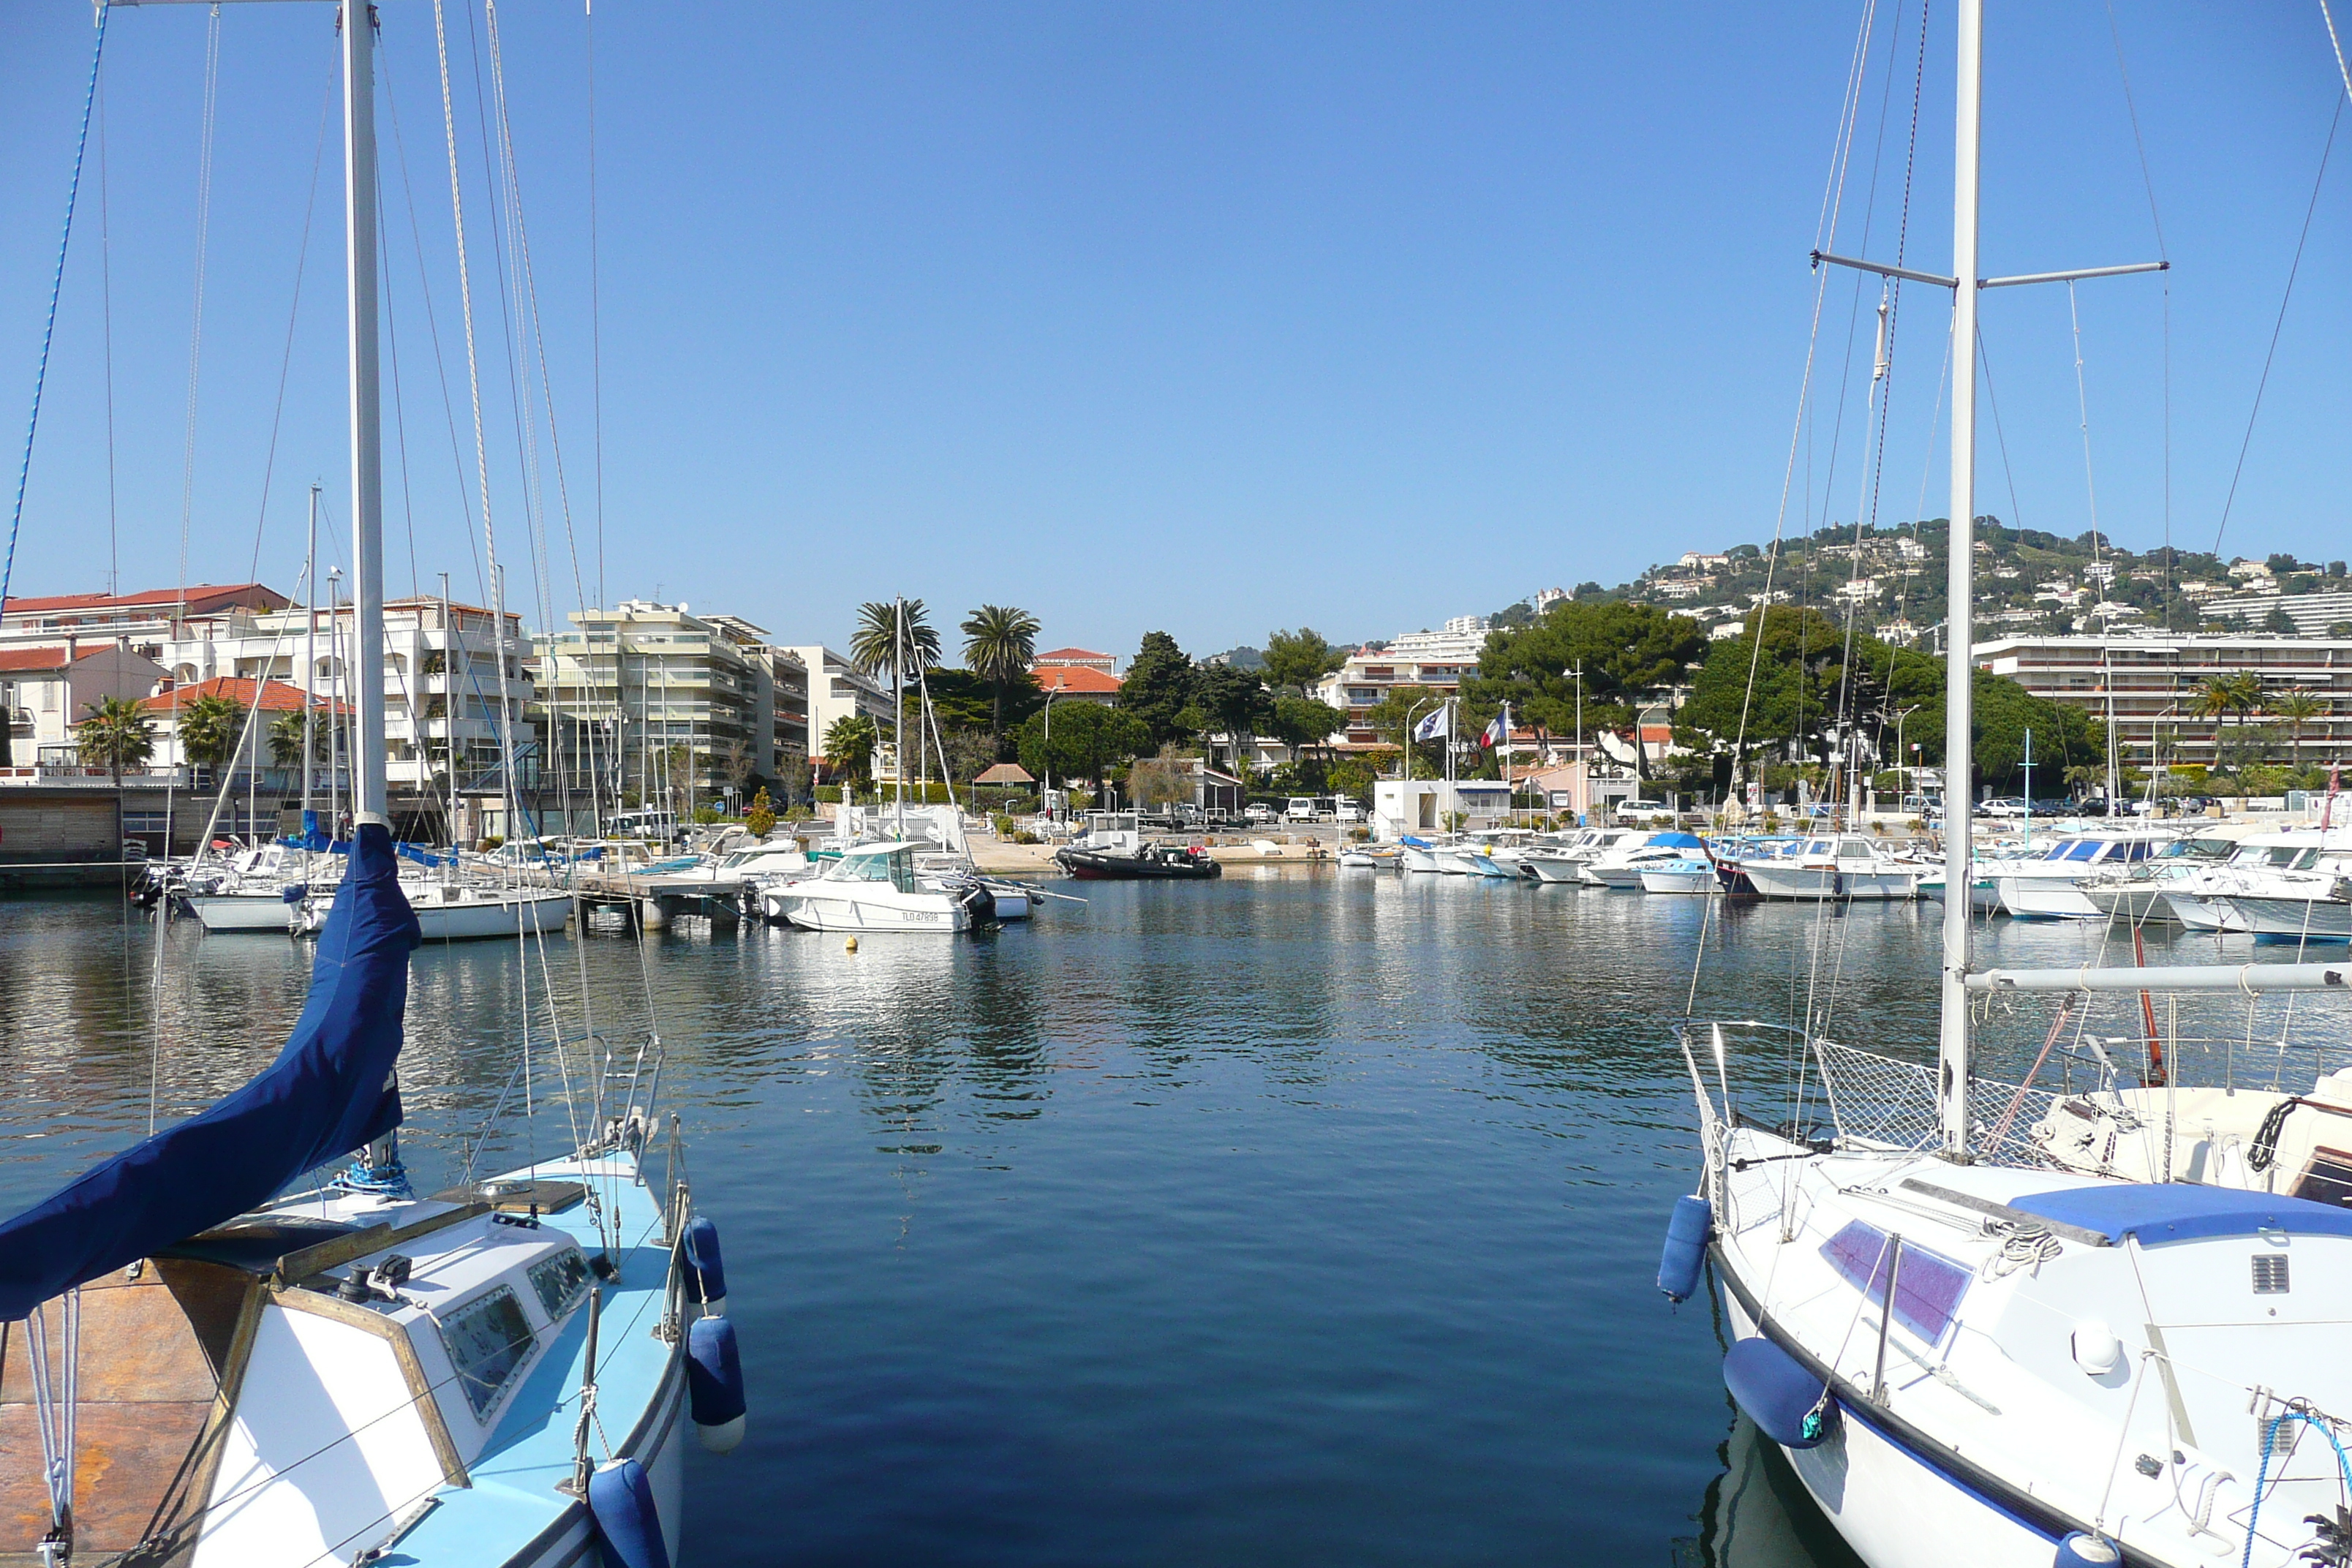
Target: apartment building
837,689
143,622
2147,684
455,692
1437,660
45,691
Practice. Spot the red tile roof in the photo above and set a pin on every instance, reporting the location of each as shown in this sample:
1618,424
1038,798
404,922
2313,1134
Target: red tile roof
277,697
1075,680
199,596
46,658
1067,655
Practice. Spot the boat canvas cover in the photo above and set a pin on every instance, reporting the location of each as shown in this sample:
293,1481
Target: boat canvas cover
330,1091
2173,1211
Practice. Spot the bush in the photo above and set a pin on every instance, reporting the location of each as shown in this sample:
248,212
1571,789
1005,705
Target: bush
707,816
828,794
1003,823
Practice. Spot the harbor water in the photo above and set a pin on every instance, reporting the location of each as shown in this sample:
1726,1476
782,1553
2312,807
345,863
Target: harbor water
1302,1217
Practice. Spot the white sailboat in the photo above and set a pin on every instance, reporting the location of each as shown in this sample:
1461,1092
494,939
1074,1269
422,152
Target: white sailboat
1981,1355
226,1371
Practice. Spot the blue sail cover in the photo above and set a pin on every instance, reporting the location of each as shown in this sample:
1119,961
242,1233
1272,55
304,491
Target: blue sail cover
329,1092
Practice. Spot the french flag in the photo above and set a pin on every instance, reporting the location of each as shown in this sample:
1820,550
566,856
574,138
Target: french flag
1497,731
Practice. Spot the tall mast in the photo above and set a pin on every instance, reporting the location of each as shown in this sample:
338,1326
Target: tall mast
367,431
310,663
1952,1035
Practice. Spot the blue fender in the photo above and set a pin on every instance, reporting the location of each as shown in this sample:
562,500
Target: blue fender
621,1501
1788,1404
714,1384
706,1271
2081,1549
1686,1252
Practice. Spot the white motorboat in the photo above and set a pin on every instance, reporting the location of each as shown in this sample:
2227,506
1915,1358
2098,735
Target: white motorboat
1371,858
1685,874
2137,895
873,888
1419,854
1620,866
1563,859
2048,886
1845,868
2204,900
277,911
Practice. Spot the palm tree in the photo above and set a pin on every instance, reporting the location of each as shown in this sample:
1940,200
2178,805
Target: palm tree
115,736
893,639
285,734
850,751
2299,708
999,641
209,727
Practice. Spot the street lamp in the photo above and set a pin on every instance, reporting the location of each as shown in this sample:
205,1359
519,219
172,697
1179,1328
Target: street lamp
1408,730
1052,692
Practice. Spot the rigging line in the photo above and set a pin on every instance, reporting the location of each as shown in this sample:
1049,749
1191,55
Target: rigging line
196,321
49,328
595,301
2139,142
106,320
294,310
2083,410
432,320
2000,439
2278,326
399,404
2336,44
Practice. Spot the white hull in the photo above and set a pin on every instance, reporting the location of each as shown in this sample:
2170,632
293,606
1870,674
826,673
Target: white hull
1620,878
1678,882
1419,859
2318,919
2046,898
1553,870
466,914
242,911
2142,903
1781,881
2204,914
804,906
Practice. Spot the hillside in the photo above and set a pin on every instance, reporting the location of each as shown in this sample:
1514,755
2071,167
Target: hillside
2028,581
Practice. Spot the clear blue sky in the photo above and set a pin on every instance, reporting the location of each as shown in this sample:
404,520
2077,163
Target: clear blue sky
1209,318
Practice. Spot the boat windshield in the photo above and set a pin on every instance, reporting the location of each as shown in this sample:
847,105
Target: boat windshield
2086,849
896,867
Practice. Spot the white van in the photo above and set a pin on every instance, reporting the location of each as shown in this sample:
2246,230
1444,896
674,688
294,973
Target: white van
1300,809
1347,810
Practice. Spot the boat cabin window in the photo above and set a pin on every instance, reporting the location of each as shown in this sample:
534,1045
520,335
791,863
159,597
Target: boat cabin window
897,870
1928,1289
2139,849
1854,849
560,1281
2083,850
1818,846
2306,861
487,1339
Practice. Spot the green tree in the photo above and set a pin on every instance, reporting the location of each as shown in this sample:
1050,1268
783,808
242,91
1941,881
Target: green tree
1303,721
1298,659
2299,708
1236,700
2220,696
1351,778
116,735
760,817
210,727
1401,710
849,750
893,638
1088,740
999,641
285,734
1160,682
1629,654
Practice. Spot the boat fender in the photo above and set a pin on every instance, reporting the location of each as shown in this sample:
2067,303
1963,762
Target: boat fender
706,1271
714,1384
2096,1350
1686,1252
2083,1549
1788,1404
294,892
621,1501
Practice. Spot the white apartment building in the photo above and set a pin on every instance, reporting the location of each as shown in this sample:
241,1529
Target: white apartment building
447,691
45,691
1437,660
2149,684
837,689
144,621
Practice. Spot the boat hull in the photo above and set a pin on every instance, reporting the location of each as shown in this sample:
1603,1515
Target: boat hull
1551,870
2313,920
812,909
1702,880
242,913
2045,898
1828,882
2201,913
1090,866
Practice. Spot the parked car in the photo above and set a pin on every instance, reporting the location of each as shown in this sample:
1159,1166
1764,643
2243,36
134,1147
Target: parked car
1347,810
1258,811
2004,805
1299,808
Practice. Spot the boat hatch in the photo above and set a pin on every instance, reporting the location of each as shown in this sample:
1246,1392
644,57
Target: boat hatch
2171,1211
1927,1289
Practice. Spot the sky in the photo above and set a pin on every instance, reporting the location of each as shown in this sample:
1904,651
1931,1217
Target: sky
1203,318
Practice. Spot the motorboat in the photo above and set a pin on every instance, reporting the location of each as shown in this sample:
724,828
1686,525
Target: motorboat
1152,862
1371,858
2204,900
1847,867
1621,865
2136,894
1416,853
1562,860
2048,886
1683,875
874,887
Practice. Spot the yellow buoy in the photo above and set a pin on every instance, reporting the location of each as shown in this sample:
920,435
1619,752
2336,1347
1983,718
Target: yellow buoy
850,946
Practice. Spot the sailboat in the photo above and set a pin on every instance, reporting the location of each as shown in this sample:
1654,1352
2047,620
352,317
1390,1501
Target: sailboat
221,1370
1981,1338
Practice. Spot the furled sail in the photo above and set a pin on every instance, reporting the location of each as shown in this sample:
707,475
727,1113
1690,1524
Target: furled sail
330,1091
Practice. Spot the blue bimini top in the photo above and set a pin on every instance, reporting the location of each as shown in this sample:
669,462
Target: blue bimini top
2171,1211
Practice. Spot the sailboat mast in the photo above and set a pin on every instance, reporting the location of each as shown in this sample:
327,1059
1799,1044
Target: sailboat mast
1952,1035
367,434
310,663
